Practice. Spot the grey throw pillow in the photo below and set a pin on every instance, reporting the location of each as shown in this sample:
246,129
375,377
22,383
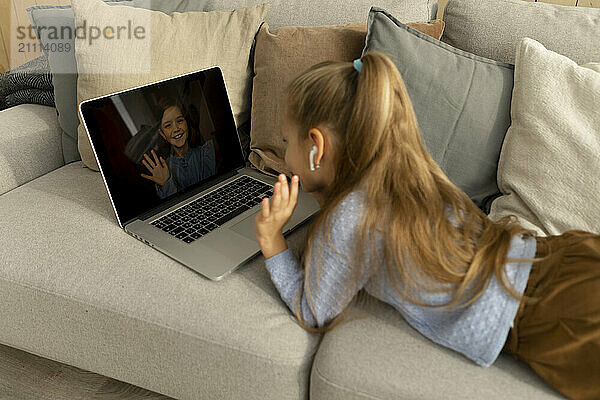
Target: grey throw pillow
59,47
461,101
493,28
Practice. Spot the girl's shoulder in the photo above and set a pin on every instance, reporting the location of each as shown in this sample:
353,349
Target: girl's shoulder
451,215
352,204
345,217
201,150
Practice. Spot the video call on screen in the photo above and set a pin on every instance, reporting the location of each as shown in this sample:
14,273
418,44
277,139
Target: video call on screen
163,139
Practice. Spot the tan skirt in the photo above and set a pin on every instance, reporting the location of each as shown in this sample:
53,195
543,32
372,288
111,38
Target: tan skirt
559,336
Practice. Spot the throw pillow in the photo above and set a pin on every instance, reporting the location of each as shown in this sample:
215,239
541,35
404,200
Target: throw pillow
549,169
60,50
176,44
461,101
282,54
492,28
319,12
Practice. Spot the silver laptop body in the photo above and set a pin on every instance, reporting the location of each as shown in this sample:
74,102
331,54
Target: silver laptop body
215,253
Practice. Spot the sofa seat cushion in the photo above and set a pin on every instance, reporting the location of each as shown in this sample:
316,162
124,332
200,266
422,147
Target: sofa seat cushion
77,289
380,356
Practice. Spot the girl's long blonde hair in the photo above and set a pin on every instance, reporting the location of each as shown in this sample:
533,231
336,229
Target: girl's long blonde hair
379,147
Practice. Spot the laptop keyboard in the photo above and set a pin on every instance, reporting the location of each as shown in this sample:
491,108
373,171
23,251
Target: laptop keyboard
207,213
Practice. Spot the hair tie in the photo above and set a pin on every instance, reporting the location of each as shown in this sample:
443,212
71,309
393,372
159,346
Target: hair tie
358,64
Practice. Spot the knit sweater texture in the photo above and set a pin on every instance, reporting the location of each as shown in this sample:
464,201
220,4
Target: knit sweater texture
478,331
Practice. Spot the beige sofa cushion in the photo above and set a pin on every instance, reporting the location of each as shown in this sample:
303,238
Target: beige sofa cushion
173,45
549,168
381,357
282,54
74,287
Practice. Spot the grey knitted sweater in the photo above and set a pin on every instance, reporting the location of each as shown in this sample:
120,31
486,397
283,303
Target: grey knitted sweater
478,331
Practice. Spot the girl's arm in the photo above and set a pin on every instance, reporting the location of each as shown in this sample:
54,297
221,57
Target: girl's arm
334,276
269,222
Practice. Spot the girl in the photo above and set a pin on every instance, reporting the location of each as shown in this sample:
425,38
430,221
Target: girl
394,226
185,165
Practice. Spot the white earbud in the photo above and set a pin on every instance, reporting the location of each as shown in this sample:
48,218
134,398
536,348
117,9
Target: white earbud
311,158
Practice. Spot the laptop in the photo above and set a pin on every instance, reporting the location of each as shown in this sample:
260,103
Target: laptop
173,165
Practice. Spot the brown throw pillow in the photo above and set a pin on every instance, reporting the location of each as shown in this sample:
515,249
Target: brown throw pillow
286,52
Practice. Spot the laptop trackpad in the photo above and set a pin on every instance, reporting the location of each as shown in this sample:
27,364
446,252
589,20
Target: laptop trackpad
245,227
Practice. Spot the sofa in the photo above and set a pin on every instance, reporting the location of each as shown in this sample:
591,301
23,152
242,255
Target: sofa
75,288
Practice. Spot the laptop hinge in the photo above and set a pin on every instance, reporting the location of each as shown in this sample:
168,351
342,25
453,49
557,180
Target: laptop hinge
183,196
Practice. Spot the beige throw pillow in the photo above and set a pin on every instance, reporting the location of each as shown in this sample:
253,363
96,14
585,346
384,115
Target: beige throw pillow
282,54
549,168
176,44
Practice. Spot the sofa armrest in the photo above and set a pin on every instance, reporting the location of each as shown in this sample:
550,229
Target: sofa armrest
30,144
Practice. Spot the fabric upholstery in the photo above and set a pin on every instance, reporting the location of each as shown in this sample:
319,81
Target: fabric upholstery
379,356
461,101
29,144
74,287
283,53
195,40
549,167
493,28
63,65
319,12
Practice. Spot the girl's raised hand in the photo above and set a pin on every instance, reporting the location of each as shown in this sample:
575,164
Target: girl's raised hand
157,167
269,222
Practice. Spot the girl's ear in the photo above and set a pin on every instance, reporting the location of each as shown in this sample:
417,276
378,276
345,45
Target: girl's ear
161,133
317,138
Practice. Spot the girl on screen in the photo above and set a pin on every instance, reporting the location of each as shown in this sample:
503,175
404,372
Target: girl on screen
185,164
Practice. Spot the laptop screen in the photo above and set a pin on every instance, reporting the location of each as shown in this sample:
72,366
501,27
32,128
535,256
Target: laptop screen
158,141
